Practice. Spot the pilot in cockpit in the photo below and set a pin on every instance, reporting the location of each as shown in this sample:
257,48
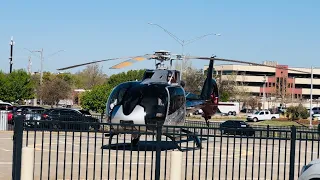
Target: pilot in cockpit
171,78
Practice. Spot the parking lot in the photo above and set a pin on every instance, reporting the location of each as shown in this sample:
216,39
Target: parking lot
89,156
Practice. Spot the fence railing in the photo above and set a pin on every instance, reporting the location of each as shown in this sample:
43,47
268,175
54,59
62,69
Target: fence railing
83,150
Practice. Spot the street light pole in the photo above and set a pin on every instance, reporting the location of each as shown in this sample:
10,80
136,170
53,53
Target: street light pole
41,69
311,97
183,43
11,53
264,91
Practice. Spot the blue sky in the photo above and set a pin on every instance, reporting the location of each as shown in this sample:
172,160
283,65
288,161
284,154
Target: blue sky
284,31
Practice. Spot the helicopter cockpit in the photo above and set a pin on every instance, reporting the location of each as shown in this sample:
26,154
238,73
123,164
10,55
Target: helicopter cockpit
138,103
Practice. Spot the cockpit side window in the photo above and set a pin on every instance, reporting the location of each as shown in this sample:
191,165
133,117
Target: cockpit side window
117,95
177,99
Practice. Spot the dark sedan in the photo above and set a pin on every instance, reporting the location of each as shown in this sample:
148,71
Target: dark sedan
236,127
66,118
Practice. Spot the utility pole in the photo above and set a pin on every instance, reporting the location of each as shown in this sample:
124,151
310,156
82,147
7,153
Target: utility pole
41,71
11,53
29,65
42,59
292,90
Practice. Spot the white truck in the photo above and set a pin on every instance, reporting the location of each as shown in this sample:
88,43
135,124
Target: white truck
262,115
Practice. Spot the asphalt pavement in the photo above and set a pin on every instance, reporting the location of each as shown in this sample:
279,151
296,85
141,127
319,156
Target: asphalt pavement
89,156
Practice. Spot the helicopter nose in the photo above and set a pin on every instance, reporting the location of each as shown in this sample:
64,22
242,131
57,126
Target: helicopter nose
137,116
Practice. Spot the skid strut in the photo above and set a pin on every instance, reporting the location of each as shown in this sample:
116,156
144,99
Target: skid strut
194,137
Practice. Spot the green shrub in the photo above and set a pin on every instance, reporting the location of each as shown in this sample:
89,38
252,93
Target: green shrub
297,112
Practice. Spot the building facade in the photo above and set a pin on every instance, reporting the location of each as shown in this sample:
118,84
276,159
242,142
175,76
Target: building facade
274,82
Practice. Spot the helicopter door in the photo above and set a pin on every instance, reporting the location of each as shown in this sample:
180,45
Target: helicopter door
177,106
116,96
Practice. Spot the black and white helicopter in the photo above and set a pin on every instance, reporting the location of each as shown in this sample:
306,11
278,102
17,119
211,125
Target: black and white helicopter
160,98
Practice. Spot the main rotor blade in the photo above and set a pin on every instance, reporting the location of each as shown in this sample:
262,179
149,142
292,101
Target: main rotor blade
83,64
131,61
244,62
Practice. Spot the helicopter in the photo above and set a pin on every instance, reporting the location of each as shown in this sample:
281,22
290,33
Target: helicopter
159,97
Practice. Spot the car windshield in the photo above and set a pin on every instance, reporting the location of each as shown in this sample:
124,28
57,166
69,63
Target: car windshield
85,112
242,123
257,112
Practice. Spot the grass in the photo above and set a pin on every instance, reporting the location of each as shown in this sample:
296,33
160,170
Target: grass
279,122
276,123
216,118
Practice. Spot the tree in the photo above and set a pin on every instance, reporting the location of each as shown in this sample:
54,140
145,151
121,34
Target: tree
253,102
54,90
194,80
2,85
67,77
224,96
131,75
92,75
192,77
228,84
16,86
96,98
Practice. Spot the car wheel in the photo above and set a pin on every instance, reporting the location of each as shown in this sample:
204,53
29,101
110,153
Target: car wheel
229,113
234,113
135,142
250,133
94,128
255,119
56,126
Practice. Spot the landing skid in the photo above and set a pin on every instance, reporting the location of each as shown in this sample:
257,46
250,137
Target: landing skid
194,137
135,140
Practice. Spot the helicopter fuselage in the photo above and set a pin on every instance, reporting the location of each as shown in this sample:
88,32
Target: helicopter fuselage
146,104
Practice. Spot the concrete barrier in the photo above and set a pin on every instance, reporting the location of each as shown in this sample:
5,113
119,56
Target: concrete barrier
3,121
176,165
27,163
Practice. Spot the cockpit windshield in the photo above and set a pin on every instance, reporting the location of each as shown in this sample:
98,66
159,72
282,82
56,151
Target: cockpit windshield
147,96
129,95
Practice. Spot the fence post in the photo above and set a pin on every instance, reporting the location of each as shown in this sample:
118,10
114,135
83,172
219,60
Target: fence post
17,148
158,151
176,165
292,152
268,129
27,163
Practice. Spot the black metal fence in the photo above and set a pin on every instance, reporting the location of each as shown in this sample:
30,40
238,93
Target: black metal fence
80,150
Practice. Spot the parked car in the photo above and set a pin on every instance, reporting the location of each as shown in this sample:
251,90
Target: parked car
316,116
310,171
315,110
262,115
66,118
236,127
29,113
5,106
8,108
